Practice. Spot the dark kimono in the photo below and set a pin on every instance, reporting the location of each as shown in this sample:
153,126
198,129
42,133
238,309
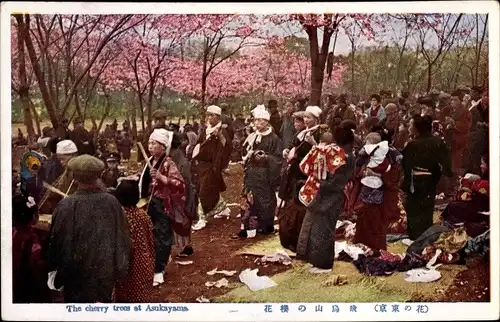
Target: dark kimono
478,140
209,165
316,240
423,154
50,199
276,122
89,246
183,234
50,170
287,131
292,179
262,178
30,184
83,141
166,207
124,147
29,269
110,177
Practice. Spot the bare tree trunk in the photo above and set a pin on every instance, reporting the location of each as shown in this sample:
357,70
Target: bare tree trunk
133,116
36,118
204,76
318,60
429,77
23,88
25,35
106,112
353,84
479,47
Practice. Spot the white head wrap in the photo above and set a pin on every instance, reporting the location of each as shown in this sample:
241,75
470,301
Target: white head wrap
379,154
164,137
214,109
66,147
258,108
261,114
314,110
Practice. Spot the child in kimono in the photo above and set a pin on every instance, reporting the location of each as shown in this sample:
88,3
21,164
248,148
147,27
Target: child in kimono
323,159
374,157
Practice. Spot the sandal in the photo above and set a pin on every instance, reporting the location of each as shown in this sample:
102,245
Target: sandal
186,252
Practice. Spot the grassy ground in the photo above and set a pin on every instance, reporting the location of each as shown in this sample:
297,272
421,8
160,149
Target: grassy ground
298,285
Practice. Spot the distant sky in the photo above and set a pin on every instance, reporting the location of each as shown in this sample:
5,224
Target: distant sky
343,46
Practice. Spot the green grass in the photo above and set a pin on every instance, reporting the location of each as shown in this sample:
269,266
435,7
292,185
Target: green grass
298,285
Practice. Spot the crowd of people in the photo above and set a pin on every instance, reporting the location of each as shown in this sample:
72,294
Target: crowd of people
112,231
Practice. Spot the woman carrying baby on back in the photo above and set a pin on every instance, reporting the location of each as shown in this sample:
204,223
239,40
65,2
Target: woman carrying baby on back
376,204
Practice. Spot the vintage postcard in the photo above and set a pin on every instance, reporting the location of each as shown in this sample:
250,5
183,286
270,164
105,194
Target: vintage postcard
250,161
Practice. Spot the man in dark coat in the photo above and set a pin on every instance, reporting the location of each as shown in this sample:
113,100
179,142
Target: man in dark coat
275,121
479,136
82,138
89,246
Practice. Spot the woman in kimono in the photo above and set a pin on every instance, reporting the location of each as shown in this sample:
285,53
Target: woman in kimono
182,233
316,240
292,179
425,158
210,156
262,172
374,218
29,269
136,287
30,164
164,186
472,205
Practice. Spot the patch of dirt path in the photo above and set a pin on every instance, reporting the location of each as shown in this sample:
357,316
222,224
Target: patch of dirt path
213,248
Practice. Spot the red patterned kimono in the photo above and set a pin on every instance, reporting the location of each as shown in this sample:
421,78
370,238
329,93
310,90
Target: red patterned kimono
137,286
320,161
174,197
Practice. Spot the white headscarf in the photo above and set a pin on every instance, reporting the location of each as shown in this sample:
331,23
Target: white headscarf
314,110
66,147
164,137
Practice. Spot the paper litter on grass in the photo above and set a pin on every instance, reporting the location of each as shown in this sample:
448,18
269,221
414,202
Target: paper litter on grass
202,299
255,283
422,275
223,272
279,256
184,263
220,283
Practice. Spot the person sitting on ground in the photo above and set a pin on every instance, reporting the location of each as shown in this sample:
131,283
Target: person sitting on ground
471,208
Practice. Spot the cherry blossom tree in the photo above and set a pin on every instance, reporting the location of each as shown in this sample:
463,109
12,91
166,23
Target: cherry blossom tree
324,26
151,53
216,31
63,48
